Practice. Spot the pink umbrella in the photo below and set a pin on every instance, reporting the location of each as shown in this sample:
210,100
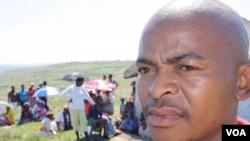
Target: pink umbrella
99,85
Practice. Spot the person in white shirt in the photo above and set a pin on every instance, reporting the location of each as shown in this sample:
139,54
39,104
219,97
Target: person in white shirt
63,119
47,126
76,94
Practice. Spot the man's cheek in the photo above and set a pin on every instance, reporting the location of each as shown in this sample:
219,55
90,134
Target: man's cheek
141,94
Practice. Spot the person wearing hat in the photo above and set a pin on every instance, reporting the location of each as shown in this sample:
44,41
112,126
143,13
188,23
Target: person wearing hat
76,94
63,120
47,125
39,110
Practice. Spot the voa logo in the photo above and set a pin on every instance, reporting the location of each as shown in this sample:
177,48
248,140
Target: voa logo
236,132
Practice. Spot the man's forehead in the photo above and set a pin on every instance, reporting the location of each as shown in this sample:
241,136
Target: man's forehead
200,15
172,42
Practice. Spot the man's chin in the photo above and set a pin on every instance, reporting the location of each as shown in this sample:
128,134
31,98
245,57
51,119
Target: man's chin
162,135
174,132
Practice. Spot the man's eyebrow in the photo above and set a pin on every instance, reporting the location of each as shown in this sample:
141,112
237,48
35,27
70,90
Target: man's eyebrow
184,56
173,59
144,61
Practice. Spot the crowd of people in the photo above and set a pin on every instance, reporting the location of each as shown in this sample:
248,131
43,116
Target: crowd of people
86,107
193,70
32,108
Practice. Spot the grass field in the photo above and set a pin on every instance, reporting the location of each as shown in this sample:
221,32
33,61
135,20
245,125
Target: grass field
53,75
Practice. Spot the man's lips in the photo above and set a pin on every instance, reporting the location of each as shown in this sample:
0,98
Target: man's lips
163,117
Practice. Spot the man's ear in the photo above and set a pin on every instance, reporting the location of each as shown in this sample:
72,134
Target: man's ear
244,82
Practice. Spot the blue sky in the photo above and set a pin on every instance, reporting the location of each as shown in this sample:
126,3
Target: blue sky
57,31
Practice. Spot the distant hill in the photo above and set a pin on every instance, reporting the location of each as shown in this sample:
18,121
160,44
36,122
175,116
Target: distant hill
4,68
8,67
53,74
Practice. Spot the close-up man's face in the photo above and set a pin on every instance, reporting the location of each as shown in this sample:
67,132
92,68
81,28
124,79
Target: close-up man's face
186,83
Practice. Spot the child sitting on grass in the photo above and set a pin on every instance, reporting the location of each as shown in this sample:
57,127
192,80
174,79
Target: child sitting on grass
47,125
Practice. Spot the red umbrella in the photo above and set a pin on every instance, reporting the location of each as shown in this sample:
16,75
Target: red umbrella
99,85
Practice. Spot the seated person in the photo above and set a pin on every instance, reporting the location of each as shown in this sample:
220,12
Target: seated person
88,106
92,94
39,111
131,123
26,114
96,121
47,125
63,120
111,128
3,121
8,117
108,102
128,106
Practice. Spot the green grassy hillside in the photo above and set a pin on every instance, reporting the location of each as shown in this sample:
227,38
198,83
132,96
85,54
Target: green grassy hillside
53,74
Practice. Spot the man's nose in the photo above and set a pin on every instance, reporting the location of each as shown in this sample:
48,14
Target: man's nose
163,83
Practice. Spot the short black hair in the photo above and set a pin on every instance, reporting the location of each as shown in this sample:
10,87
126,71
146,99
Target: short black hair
79,79
44,83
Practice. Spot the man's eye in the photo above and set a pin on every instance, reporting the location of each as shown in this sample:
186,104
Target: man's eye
187,68
144,70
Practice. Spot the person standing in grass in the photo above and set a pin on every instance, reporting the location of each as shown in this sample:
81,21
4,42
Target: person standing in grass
122,106
104,77
32,90
13,98
23,93
45,98
76,94
111,80
133,89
